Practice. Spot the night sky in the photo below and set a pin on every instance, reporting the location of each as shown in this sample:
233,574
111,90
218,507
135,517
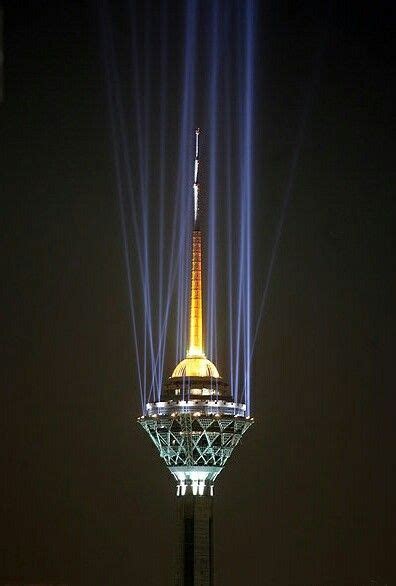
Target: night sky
308,498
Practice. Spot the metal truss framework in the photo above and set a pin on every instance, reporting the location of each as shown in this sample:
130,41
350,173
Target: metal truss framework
188,440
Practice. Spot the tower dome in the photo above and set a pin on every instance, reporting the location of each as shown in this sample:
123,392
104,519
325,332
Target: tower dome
195,366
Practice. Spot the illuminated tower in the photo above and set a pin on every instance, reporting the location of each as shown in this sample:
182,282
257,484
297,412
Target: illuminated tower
196,425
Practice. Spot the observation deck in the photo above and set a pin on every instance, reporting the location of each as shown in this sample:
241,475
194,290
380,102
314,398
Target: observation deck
197,395
195,427
195,446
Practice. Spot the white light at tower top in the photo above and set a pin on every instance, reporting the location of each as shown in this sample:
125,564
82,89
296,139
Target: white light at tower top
196,184
195,202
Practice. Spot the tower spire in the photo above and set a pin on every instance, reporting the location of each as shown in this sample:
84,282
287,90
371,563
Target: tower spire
196,342
196,184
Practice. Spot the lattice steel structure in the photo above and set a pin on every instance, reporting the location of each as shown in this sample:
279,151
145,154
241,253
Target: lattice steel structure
195,447
195,426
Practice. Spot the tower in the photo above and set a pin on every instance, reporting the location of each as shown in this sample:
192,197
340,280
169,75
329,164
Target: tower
195,426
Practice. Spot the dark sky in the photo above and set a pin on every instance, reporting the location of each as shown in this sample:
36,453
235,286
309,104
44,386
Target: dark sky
310,498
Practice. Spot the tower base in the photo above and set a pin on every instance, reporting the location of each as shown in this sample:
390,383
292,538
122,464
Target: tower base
195,554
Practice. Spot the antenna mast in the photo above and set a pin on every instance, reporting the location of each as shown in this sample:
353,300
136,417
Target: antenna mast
196,184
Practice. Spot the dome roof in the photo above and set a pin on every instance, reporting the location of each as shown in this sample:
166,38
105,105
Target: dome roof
196,366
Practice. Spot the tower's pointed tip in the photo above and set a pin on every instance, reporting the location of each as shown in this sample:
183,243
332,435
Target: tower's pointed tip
197,132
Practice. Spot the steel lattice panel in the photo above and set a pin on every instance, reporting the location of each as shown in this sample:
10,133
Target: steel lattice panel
186,440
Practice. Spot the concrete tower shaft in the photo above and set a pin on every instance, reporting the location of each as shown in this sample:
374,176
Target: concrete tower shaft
195,545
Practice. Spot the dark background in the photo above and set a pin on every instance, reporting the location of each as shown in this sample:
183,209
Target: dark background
84,497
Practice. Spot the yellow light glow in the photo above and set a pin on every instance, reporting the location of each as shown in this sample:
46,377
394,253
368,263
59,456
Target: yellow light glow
196,346
195,352
196,366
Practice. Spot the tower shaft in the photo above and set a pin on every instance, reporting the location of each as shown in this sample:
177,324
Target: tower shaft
195,555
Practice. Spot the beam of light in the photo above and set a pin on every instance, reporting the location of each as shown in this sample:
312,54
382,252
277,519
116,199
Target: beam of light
156,270
184,179
113,99
247,189
146,205
119,126
290,184
158,273
168,271
161,340
126,248
141,190
230,223
213,106
142,121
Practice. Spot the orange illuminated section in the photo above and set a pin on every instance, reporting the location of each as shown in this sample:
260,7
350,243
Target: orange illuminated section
196,344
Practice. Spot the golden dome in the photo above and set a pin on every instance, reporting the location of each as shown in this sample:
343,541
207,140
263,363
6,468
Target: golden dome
196,366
